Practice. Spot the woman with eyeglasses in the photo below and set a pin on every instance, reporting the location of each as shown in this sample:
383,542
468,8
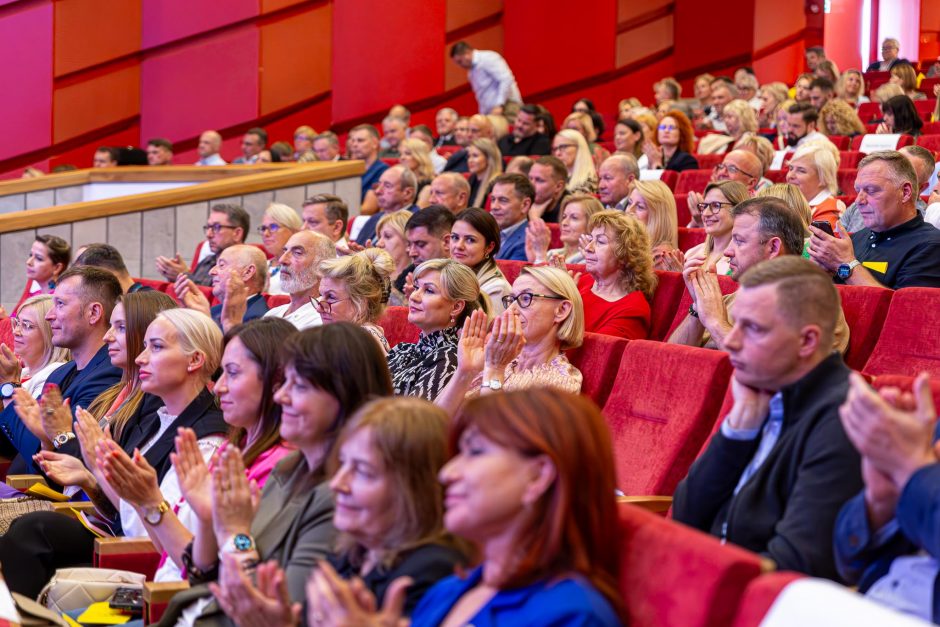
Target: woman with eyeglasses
356,289
571,147
474,239
670,147
715,207
445,293
543,317
303,144
813,169
32,345
277,225
576,212
618,257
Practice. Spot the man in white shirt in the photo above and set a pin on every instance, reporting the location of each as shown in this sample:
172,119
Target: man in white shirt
303,253
801,124
210,142
326,214
326,146
492,81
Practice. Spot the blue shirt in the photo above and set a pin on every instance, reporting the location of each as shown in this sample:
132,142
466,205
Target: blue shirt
769,437
570,601
371,176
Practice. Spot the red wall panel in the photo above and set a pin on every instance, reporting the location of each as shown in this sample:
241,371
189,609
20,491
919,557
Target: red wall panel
295,58
112,26
385,55
167,20
26,108
101,100
179,103
82,154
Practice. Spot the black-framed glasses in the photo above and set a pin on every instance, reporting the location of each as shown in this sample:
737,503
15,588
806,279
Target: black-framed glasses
216,228
264,228
713,206
324,306
561,147
668,127
525,299
22,325
732,169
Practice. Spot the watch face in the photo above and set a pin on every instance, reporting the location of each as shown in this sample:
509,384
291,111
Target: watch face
6,390
242,542
844,271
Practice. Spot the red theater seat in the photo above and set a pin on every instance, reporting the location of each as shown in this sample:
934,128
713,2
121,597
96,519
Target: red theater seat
511,268
776,176
846,180
850,158
708,162
903,140
925,107
869,112
446,151
759,595
670,178
658,433
874,80
926,87
6,332
725,283
276,300
690,237
930,142
840,141
675,576
865,309
693,181
682,209
669,290
908,341
906,383
396,326
930,128
598,359
555,228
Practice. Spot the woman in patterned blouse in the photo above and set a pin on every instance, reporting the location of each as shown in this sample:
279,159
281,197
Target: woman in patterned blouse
544,316
446,293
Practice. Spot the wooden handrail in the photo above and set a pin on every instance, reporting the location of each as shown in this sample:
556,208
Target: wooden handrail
220,182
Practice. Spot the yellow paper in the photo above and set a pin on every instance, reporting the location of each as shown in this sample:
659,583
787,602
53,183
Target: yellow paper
877,266
70,621
102,614
45,492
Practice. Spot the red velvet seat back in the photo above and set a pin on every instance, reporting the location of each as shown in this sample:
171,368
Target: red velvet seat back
909,341
850,158
598,359
869,112
693,181
555,228
865,309
675,576
396,326
725,283
708,162
905,383
160,286
930,142
759,595
840,141
662,406
276,300
689,238
846,179
666,298
683,215
6,332
925,107
670,178
511,268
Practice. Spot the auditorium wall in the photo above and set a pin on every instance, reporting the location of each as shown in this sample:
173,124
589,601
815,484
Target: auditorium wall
118,72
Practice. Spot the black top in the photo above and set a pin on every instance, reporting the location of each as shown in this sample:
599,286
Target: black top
457,162
787,509
681,161
445,140
553,213
876,66
907,255
537,144
426,565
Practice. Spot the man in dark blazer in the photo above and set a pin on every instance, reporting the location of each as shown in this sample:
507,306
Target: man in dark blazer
889,54
80,316
510,202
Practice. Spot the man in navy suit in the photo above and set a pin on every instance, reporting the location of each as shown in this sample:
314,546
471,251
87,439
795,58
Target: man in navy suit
510,201
889,54
81,314
887,538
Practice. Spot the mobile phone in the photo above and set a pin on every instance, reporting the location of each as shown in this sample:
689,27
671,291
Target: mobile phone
822,225
128,600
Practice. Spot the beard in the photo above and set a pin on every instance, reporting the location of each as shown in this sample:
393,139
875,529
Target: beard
301,281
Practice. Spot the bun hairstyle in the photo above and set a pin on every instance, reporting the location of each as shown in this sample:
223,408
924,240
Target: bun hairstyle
367,276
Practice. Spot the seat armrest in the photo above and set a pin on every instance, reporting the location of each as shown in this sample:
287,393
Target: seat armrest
157,596
655,504
24,482
123,546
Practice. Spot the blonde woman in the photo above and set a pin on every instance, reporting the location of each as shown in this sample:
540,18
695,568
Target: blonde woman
543,317
772,95
851,88
390,232
780,141
356,289
576,213
719,199
485,163
886,92
760,146
582,122
739,118
277,225
903,74
32,344
415,155
571,147
303,144
791,195
813,169
653,204
839,118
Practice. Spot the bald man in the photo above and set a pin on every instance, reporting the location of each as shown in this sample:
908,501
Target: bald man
210,143
298,264
451,190
742,166
238,278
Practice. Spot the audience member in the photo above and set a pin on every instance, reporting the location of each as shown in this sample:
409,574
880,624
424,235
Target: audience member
298,263
278,223
739,118
672,144
109,258
851,88
326,214
302,150
896,248
210,143
520,165
828,70
396,189
747,86
723,91
326,147
618,258
445,293
628,138
772,95
787,388
525,138
715,208
423,134
900,117
654,206
794,199
159,152
446,123
570,147
885,536
549,178
283,152
474,239
759,146
428,235
394,130
703,90
617,177
356,288
543,317
821,91
414,155
330,372
484,163
105,157
905,75
253,142
48,258
363,143
801,125
885,92
584,124
510,202
391,238
228,225
813,168
32,347
451,190
83,300
801,88
814,55
576,212
490,78
840,118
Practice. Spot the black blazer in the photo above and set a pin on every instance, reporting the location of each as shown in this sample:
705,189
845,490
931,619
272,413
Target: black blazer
457,162
681,161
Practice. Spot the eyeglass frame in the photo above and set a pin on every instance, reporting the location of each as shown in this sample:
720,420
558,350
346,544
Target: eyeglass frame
325,306
509,299
710,206
216,228
563,147
274,228
732,169
23,325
